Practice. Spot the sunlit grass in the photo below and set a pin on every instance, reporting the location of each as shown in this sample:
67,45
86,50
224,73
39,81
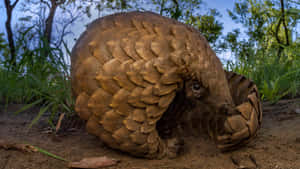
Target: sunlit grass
275,79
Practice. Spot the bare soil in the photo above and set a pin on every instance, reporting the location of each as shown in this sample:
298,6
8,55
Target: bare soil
277,145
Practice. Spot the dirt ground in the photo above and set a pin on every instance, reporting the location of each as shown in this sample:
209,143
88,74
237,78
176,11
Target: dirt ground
277,145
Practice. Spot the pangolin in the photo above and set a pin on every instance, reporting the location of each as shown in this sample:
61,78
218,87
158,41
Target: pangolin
136,75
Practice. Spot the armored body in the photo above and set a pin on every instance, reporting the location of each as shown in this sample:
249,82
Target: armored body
136,75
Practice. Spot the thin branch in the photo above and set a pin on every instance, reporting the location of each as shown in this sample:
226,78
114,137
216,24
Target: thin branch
15,3
44,2
60,2
65,26
162,7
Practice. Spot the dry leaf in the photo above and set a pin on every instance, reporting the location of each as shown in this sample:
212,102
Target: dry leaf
21,147
93,162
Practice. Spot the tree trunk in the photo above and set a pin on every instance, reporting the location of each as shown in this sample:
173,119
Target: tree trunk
11,43
278,40
50,18
284,23
49,21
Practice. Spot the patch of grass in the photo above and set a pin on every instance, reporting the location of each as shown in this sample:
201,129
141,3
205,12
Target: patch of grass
276,79
41,78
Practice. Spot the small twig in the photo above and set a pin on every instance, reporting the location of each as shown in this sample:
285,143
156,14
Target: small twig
15,146
61,117
24,147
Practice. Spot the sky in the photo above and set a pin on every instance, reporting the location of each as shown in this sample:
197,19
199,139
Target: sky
79,27
222,6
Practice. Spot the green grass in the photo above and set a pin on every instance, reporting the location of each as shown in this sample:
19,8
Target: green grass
47,153
275,79
53,95
41,79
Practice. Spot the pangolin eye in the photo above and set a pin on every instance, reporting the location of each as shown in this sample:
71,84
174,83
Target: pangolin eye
196,86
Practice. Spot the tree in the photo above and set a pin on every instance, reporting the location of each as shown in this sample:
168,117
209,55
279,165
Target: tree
9,11
49,21
268,53
42,13
208,25
269,23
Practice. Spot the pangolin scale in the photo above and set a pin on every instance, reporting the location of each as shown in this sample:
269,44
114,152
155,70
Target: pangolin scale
129,68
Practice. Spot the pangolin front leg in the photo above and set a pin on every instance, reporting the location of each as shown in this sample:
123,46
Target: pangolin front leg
242,123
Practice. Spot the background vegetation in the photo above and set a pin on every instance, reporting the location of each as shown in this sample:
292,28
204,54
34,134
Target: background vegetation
33,52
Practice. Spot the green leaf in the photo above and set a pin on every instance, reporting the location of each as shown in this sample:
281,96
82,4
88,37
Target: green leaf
28,106
26,18
49,154
41,112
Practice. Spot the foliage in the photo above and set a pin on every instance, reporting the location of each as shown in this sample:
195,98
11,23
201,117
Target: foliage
191,12
269,24
208,25
3,48
275,81
269,53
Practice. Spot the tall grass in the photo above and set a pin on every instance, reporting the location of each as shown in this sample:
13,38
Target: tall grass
41,78
276,79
